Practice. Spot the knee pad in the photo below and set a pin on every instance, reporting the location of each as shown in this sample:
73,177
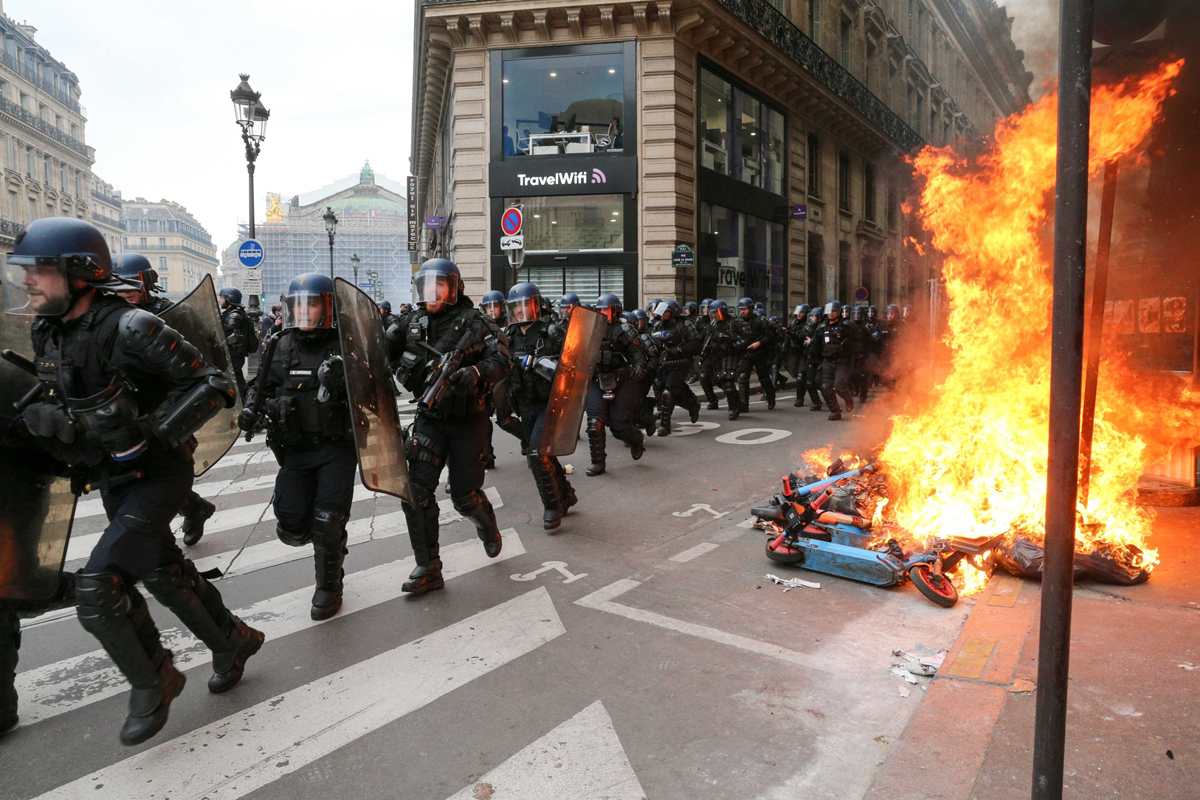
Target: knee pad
102,600
666,399
171,578
328,529
292,539
467,503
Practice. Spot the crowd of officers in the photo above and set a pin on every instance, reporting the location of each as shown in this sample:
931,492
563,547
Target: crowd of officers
97,334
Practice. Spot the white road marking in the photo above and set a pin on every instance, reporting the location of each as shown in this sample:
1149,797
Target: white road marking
560,566
602,600
582,759
693,552
765,436
225,488
689,428
255,747
75,682
699,507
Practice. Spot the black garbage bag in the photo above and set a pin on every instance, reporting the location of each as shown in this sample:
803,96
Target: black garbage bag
1023,558
843,499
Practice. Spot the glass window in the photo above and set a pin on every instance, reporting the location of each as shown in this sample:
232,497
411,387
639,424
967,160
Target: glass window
845,32
587,282
869,193
814,20
844,180
748,252
575,223
740,136
814,165
564,104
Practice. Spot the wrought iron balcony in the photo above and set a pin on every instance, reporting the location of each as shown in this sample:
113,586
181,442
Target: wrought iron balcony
34,121
31,75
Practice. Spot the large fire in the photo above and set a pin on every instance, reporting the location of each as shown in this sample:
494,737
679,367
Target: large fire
969,460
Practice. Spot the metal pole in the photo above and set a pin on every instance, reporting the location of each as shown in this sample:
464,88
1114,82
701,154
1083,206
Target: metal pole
1066,367
1095,329
250,169
330,256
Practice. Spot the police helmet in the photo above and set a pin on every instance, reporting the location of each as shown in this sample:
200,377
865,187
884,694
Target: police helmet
857,312
832,306
690,309
631,317
609,305
308,302
386,306
872,311
801,310
74,248
719,310
567,300
492,304
668,307
524,303
438,281
135,268
705,305
745,303
233,295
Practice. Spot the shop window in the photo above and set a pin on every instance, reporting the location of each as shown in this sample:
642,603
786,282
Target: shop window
746,253
586,281
814,165
844,180
740,135
563,104
586,223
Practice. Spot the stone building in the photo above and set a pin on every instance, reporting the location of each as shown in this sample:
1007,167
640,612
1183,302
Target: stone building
47,164
105,212
174,242
372,224
768,136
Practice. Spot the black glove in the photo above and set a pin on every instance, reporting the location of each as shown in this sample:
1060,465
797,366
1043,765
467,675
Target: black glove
465,379
247,420
50,421
331,375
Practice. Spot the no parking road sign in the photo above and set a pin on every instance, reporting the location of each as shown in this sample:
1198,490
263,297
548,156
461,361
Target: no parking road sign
510,221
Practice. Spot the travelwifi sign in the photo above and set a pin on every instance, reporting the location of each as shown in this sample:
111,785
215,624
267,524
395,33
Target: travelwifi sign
526,176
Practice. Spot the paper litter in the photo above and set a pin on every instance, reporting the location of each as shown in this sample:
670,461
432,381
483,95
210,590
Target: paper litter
793,583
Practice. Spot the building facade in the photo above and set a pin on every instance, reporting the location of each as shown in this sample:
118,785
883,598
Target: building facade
105,212
767,136
47,164
172,240
372,224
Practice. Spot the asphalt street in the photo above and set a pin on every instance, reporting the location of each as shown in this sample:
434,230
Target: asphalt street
638,651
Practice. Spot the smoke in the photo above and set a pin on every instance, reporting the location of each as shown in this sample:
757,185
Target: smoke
1035,30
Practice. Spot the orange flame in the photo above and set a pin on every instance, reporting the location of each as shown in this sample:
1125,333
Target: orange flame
970,461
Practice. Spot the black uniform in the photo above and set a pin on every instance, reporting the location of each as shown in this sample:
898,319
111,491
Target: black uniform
835,346
794,350
704,326
615,396
455,433
720,357
758,330
649,383
812,361
309,431
115,367
534,353
679,344
239,335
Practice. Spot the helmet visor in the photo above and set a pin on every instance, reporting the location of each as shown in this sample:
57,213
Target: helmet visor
308,310
493,308
524,309
434,286
35,286
717,313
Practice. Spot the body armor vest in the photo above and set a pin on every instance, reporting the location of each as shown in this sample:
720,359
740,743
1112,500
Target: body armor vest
302,420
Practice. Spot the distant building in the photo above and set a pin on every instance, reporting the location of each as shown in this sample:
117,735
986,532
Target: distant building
175,243
106,212
372,224
47,165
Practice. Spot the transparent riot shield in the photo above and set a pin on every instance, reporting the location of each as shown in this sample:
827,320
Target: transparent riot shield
197,318
36,506
568,396
373,412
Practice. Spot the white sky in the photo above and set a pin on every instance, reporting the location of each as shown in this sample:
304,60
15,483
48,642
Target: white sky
156,77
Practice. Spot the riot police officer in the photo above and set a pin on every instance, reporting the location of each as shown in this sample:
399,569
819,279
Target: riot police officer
122,396
812,363
239,333
450,356
794,349
135,270
302,391
535,346
835,346
385,311
567,304
679,344
494,307
614,397
721,355
643,324
760,338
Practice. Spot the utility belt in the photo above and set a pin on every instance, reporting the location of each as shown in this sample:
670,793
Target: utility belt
305,422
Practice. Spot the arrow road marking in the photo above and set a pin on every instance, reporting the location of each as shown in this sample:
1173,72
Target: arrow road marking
254,747
582,759
561,566
699,507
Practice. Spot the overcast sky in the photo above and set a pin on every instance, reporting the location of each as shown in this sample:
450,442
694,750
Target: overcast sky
156,77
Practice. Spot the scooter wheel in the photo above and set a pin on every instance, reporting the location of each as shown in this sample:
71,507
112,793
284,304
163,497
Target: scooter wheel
778,550
938,589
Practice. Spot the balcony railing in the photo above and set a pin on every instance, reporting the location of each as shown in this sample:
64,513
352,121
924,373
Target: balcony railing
107,198
34,121
40,81
10,228
138,248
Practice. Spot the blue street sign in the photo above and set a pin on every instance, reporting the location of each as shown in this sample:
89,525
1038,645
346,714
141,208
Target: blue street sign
251,254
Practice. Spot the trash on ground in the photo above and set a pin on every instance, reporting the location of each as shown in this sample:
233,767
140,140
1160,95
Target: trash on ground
1021,686
905,691
567,468
926,666
793,583
901,672
1189,666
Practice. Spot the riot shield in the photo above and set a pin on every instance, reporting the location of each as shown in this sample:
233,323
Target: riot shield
568,396
373,412
36,506
197,318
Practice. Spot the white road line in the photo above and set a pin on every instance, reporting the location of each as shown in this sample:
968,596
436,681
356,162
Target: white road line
75,682
693,552
602,600
582,759
225,488
255,747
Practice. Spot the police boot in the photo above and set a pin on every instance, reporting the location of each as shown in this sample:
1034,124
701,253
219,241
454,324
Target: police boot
489,460
195,513
666,405
423,535
546,480
117,616
648,418
743,393
200,608
10,640
329,551
477,508
734,399
596,442
637,448
693,411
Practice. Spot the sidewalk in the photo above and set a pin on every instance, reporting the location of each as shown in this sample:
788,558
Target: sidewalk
1132,730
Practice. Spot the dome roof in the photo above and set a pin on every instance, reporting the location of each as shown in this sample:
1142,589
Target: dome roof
361,205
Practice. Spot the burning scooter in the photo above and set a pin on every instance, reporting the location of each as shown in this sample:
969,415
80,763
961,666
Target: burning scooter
806,535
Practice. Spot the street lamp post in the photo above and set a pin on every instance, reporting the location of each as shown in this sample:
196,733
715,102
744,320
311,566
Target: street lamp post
251,116
331,222
354,259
